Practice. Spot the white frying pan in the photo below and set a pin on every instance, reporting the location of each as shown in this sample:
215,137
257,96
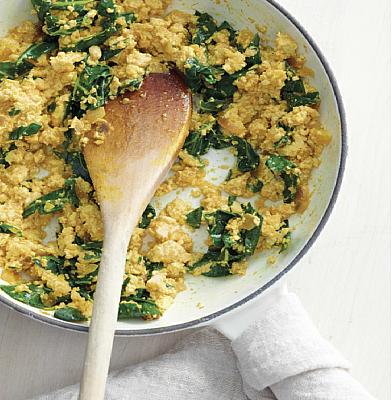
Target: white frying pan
222,295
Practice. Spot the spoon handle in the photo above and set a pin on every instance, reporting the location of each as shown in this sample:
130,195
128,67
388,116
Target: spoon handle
105,310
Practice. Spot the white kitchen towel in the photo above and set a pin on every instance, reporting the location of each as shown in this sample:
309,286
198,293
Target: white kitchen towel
282,350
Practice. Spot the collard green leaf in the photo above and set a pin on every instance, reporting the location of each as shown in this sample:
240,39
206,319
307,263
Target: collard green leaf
213,105
226,249
51,263
196,144
232,32
254,45
206,27
194,217
296,100
247,157
32,297
3,154
91,90
10,229
23,65
286,138
280,165
197,74
51,107
69,314
7,70
54,201
78,164
294,91
152,266
145,309
13,111
287,237
22,131
148,215
254,185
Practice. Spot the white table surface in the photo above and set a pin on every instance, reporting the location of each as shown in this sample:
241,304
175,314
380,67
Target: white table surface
344,281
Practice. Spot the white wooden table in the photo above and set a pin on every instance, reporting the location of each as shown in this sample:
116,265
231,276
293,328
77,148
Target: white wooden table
344,281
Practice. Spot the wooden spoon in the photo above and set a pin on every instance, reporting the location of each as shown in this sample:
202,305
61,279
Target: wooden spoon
144,133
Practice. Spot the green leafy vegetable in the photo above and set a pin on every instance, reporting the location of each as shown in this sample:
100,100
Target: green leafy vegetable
254,185
294,91
51,107
23,64
296,100
206,27
225,248
147,216
247,157
78,164
91,89
6,228
142,309
70,314
3,155
54,201
22,131
13,111
254,45
139,305
286,138
194,217
197,74
287,237
285,168
32,296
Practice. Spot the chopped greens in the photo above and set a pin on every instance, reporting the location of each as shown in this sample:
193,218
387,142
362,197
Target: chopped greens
91,89
225,247
286,138
70,314
146,309
23,64
294,91
247,157
194,217
78,164
198,75
3,155
200,141
13,111
139,305
22,131
54,201
254,185
6,228
147,216
286,170
151,266
31,295
287,237
206,27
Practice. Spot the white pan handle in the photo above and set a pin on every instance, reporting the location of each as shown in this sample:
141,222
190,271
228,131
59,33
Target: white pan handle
234,323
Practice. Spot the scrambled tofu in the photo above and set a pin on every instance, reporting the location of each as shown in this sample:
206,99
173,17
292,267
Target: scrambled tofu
251,97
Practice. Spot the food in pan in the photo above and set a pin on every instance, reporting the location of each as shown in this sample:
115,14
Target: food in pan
251,99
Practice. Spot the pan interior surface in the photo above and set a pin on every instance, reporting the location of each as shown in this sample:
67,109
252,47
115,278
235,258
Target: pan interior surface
206,297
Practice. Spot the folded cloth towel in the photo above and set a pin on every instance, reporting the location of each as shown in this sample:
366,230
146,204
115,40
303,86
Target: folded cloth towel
281,355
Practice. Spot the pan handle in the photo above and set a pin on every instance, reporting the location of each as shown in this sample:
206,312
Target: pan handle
235,322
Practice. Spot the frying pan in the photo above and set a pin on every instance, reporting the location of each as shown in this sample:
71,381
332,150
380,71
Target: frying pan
206,299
